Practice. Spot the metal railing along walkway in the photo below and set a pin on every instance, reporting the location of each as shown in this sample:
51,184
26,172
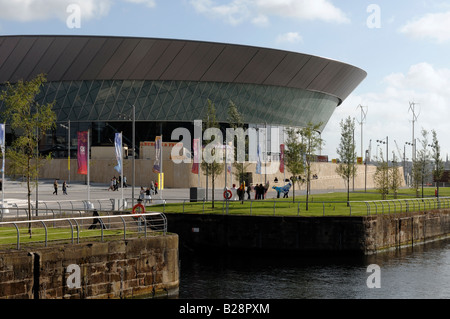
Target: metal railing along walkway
298,208
73,229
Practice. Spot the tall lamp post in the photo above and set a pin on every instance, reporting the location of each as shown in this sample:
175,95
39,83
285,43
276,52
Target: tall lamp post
133,167
387,147
404,155
387,155
68,147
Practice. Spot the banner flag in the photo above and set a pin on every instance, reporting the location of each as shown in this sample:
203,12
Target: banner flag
282,158
119,157
258,163
157,164
82,154
195,165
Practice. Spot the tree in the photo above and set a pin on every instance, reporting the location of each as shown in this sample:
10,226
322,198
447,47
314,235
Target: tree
423,158
381,177
313,142
236,121
395,178
416,174
438,169
28,119
294,157
211,165
347,153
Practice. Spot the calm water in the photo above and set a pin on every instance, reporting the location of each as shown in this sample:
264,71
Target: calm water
419,272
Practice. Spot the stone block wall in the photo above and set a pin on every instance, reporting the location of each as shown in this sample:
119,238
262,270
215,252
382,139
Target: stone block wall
116,269
355,235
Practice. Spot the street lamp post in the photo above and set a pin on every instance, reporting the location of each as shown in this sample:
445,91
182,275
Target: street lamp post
134,156
133,167
387,147
68,147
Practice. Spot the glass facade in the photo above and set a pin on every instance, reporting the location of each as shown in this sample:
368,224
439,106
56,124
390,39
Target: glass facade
105,107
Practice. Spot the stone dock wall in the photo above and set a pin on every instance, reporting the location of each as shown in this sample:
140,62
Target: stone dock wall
299,235
97,270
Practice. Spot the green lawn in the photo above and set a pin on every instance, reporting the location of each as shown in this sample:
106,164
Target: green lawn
329,204
8,235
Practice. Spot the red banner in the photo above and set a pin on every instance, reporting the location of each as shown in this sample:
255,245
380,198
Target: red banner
281,158
195,165
82,154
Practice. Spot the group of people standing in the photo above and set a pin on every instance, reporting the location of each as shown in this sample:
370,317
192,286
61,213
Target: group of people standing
260,191
116,182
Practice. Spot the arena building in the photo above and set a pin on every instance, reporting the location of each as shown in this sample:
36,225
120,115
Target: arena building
96,81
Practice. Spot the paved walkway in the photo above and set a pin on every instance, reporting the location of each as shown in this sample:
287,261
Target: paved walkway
15,194
16,191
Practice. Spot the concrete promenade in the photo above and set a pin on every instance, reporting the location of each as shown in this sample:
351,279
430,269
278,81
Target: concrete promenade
15,194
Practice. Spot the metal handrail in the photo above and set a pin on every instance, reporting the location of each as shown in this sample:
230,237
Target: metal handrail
153,221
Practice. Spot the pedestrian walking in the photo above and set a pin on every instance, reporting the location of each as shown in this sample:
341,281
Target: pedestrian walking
148,197
111,185
55,186
64,188
115,187
156,187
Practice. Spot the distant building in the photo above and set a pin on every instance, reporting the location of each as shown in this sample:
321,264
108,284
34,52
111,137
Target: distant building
95,80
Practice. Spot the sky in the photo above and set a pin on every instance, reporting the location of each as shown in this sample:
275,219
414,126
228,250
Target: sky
403,46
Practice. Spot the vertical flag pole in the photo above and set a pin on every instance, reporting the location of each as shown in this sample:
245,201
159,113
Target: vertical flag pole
198,175
121,167
3,147
68,150
161,163
88,167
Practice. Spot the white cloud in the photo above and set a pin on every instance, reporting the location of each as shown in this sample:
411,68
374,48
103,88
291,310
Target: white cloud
32,10
148,3
258,11
290,37
37,10
388,111
434,26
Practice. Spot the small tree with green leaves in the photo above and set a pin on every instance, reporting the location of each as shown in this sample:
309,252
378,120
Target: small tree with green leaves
294,157
213,168
347,153
236,121
312,143
28,120
395,178
301,148
416,175
423,159
438,169
381,177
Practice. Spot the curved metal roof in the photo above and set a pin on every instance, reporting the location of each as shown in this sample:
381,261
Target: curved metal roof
73,58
